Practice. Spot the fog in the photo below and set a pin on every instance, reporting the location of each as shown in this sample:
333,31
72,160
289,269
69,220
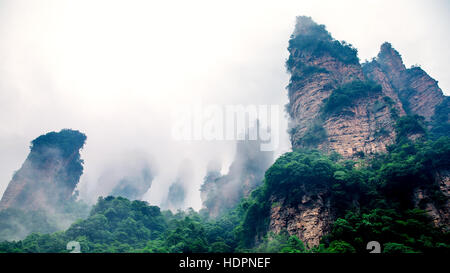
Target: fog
118,70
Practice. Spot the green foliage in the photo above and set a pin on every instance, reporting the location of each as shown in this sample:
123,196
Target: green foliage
440,121
176,195
379,190
67,141
397,231
388,100
318,42
381,132
409,125
314,135
65,144
39,176
16,224
280,243
397,248
295,170
345,95
340,247
301,70
372,201
409,165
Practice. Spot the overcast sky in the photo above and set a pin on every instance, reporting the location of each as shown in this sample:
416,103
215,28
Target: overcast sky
116,70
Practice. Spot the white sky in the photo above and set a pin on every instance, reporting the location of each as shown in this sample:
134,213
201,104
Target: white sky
116,70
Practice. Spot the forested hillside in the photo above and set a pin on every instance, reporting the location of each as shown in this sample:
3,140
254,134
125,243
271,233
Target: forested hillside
372,200
370,161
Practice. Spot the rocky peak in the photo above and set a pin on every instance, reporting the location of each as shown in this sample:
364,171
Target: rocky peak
220,193
307,27
50,173
418,92
338,105
319,65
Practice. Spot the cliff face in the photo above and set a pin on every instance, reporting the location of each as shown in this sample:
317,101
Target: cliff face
364,125
176,195
49,175
319,65
220,193
418,92
439,211
338,105
309,220
134,186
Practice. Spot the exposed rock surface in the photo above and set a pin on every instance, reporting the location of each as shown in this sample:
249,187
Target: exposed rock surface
439,211
419,93
310,220
358,130
319,65
49,175
134,187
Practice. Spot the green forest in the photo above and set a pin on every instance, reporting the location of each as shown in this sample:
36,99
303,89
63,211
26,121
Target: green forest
372,197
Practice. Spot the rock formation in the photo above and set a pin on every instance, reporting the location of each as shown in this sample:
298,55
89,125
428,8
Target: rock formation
176,196
338,105
425,199
134,186
222,192
49,175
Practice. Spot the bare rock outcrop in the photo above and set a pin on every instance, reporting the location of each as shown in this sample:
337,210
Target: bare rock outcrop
365,125
437,208
361,122
311,219
49,175
220,193
418,92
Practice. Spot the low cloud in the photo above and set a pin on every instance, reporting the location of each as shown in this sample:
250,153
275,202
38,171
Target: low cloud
116,70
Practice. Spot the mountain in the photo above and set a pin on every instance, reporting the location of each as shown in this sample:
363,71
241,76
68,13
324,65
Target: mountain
135,186
49,174
220,193
413,89
337,105
370,162
41,196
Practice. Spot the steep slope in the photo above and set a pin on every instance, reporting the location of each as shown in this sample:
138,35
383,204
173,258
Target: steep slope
49,175
176,195
338,105
348,121
134,186
221,193
418,92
